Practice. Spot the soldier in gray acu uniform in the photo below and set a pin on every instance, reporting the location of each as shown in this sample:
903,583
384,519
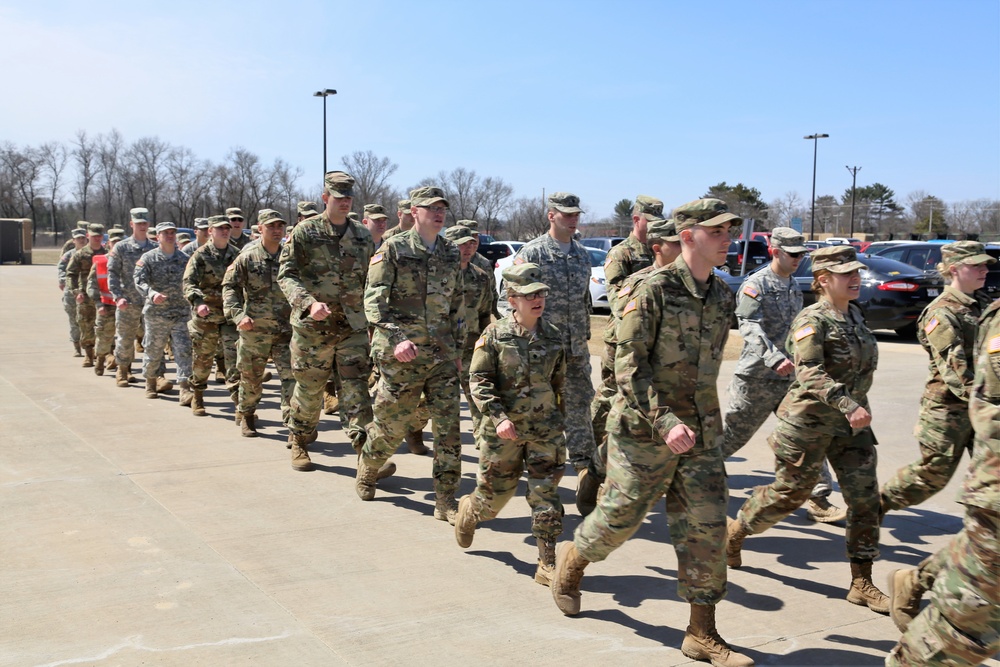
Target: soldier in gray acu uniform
565,265
68,298
121,270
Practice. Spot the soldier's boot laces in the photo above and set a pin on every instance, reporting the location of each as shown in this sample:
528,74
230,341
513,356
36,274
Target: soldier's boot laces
300,453
736,532
465,522
330,403
99,365
163,385
248,428
364,482
88,360
150,387
111,363
415,442
186,395
446,508
78,350
121,377
863,591
702,640
198,403
566,578
546,560
822,510
587,485
905,592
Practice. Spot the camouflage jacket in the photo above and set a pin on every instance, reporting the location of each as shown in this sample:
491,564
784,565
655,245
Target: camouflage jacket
78,268
835,359
947,331
670,342
519,375
488,267
61,267
568,278
121,268
159,273
765,308
623,260
389,233
318,264
206,268
625,288
477,300
67,246
250,289
415,294
982,482
239,240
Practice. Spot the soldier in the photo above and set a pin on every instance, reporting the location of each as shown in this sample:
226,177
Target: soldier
664,429
200,234
121,282
947,331
79,239
374,222
768,301
77,270
405,217
322,273
99,291
159,277
237,237
565,266
414,303
825,414
208,326
183,241
517,373
959,627
305,209
70,244
254,300
484,264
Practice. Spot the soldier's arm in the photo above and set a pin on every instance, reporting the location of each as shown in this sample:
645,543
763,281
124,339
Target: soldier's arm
233,296
949,352
93,289
61,268
805,340
615,274
559,381
114,275
381,278
750,316
73,279
485,309
141,277
194,272
457,311
483,371
290,276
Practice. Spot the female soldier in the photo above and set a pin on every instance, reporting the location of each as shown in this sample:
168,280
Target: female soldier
825,414
516,379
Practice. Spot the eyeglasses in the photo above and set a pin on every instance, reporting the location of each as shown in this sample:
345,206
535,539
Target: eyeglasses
534,296
434,209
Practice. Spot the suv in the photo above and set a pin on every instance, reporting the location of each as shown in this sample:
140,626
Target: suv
926,256
758,254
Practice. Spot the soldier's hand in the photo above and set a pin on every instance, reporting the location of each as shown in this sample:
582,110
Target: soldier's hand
680,439
122,303
246,324
62,287
319,311
105,310
405,351
458,364
80,298
785,368
159,298
506,430
859,418
203,310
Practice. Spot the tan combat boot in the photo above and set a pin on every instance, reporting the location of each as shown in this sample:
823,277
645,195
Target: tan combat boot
566,577
330,403
587,485
248,428
186,394
736,532
905,592
702,640
415,442
863,591
364,482
465,522
150,387
88,361
446,508
198,403
110,363
163,385
300,453
128,372
121,377
546,561
220,370
387,469
99,365
79,350
138,345
821,510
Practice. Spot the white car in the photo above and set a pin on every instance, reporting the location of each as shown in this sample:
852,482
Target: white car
598,288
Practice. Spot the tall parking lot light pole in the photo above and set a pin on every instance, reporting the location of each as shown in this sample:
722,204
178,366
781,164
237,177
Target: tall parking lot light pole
854,182
324,94
812,207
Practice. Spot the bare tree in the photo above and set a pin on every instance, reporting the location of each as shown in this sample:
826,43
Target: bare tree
527,219
25,169
85,156
110,152
493,196
187,182
147,172
371,178
781,211
54,159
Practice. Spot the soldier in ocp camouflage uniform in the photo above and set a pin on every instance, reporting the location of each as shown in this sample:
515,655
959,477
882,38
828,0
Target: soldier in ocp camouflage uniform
517,375
405,217
484,264
947,331
121,270
77,270
104,326
664,429
68,298
961,626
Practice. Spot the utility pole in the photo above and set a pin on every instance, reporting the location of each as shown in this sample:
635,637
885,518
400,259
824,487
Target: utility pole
854,182
812,207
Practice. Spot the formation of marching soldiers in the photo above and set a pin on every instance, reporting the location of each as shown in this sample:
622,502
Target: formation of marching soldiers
390,327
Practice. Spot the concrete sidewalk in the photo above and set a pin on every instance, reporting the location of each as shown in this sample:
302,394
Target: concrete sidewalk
134,533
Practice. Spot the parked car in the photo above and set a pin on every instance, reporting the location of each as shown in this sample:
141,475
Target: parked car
598,287
486,238
872,247
843,240
604,243
498,250
926,255
506,261
757,252
813,245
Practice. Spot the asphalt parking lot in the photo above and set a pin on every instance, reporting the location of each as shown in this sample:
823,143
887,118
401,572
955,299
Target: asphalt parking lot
134,533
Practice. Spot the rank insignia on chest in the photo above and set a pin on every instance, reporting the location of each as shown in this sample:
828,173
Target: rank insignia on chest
751,291
629,307
480,342
993,345
804,332
376,258
932,325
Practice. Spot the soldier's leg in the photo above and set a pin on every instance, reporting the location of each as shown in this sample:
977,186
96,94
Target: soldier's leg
311,358
441,393
854,460
751,402
69,305
228,337
281,354
466,365
251,358
397,394
501,463
578,393
180,342
599,409
353,362
545,461
204,335
154,342
105,331
86,315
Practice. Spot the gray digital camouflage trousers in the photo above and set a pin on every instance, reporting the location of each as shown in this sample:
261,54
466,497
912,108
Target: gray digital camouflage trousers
252,354
69,305
128,325
578,392
158,331
206,337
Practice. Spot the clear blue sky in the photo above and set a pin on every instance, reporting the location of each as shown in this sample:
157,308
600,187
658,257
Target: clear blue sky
607,100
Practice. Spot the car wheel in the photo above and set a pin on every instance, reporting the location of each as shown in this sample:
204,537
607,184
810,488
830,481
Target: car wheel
909,331
725,268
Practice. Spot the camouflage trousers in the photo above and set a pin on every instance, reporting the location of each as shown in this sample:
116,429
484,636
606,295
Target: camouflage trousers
420,416
474,412
128,324
105,329
961,626
943,432
577,394
599,409
500,465
751,401
799,456
641,468
313,356
252,353
159,330
206,336
86,319
397,398
69,305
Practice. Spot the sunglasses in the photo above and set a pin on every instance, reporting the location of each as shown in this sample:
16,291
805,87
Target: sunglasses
794,255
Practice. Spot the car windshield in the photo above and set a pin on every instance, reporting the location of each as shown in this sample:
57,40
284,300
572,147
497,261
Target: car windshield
597,256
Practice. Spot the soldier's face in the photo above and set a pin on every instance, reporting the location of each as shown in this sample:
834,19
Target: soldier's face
467,250
337,205
220,233
970,277
405,218
168,237
430,217
788,262
95,240
528,308
273,231
566,223
237,224
640,223
79,241
711,243
375,225
201,235
667,252
842,286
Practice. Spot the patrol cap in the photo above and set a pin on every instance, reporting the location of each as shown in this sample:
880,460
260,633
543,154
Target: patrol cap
269,215
705,212
427,196
164,226
352,216
201,223
403,205
648,207
471,224
965,252
138,215
215,221
662,230
338,184
234,213
836,259
183,236
375,212
565,202
459,234
116,232
306,209
523,278
79,233
95,229
82,224
788,239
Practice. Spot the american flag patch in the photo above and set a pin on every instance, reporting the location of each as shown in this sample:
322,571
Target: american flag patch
804,332
993,345
480,342
932,325
519,260
751,291
629,307
376,258
625,290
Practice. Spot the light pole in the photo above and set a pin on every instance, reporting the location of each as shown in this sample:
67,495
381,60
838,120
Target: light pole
854,181
324,94
812,208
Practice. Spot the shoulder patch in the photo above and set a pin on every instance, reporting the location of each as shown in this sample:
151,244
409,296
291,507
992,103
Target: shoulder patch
519,260
751,291
376,258
993,345
625,291
931,325
139,263
804,332
480,342
629,307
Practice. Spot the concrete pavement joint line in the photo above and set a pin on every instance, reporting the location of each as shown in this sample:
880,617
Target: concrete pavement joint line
167,471
135,643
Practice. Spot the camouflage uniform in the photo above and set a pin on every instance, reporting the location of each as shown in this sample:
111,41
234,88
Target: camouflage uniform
961,626
159,273
77,270
624,259
670,343
203,286
491,279
105,322
121,269
68,298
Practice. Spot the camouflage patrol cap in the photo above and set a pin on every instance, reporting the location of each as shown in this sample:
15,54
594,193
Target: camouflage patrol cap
459,234
353,216
183,236
79,233
116,232
201,223
427,196
267,216
82,224
662,230
307,209
235,213
650,208
218,221
375,212
836,259
705,212
338,184
471,224
164,226
788,239
138,215
965,252
523,278
565,202
95,229
403,205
